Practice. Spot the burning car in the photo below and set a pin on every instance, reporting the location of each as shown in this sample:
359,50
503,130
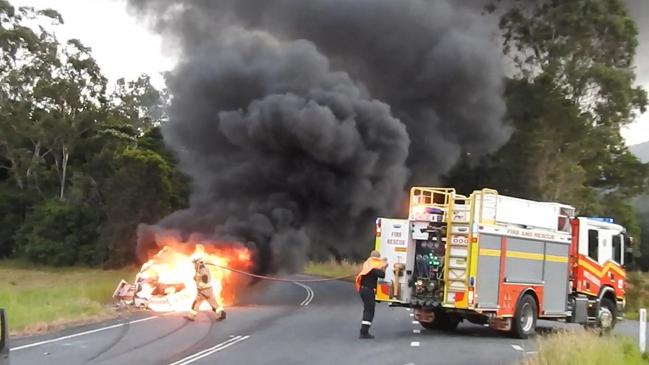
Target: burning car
166,281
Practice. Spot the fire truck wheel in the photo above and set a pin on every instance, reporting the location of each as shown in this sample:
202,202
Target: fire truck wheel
524,321
443,321
450,323
606,319
430,325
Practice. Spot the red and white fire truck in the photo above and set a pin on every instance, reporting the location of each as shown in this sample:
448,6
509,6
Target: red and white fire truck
502,261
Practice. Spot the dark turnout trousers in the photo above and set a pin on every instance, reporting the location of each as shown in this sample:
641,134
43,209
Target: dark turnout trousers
367,295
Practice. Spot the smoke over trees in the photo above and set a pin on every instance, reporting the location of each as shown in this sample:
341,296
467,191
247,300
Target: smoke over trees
301,121
573,88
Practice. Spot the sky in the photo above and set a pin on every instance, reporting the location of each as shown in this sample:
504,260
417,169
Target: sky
124,47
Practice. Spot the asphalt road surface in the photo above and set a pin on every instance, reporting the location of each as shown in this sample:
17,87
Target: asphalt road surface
285,324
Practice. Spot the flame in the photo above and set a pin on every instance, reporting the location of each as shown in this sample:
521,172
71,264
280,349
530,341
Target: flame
167,279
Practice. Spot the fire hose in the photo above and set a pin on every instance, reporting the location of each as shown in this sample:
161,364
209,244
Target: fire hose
273,278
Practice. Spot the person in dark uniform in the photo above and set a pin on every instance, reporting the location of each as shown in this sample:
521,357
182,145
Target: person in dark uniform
373,269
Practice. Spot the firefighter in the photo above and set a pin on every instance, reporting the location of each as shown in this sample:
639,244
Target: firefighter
373,268
203,280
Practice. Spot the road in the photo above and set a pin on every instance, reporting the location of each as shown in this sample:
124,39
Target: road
284,324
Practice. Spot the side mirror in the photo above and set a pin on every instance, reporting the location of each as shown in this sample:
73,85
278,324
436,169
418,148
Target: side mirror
629,259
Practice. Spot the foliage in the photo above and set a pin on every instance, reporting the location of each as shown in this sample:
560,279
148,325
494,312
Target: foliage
142,190
637,293
59,233
585,47
13,205
80,166
642,208
140,102
576,348
571,91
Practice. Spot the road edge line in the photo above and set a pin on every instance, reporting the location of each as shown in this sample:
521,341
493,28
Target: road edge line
57,339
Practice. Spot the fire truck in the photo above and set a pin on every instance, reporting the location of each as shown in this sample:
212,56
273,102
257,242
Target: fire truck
501,261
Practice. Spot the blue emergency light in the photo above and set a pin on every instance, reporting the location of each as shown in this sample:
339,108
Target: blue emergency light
431,210
601,219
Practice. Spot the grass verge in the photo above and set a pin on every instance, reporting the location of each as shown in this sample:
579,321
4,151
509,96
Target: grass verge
583,347
39,299
333,269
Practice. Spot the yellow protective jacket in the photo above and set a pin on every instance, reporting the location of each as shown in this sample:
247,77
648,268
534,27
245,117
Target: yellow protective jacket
203,277
369,264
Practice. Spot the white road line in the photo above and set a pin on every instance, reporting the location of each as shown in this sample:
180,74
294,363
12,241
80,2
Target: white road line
416,331
517,348
414,344
312,295
309,294
412,314
207,352
415,322
81,334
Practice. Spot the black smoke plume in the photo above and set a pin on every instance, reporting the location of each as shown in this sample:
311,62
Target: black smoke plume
301,121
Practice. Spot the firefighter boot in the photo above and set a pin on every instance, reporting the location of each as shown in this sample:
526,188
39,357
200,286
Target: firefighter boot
365,332
220,314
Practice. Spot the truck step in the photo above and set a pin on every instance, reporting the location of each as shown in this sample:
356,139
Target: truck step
459,252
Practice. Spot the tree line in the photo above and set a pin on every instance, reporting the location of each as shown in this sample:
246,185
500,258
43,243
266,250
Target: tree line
571,91
82,165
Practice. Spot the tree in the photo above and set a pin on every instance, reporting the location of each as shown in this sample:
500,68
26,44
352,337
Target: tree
71,94
140,103
571,91
59,233
51,96
642,247
79,167
141,190
23,54
585,49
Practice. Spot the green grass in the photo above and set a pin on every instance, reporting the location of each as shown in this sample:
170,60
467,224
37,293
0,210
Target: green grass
38,299
333,269
585,348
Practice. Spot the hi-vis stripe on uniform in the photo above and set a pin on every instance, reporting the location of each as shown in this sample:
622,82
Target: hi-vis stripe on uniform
524,255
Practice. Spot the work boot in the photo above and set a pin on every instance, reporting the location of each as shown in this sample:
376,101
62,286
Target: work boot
365,332
220,315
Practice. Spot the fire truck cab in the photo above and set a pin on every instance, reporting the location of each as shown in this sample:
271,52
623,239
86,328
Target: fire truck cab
502,261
